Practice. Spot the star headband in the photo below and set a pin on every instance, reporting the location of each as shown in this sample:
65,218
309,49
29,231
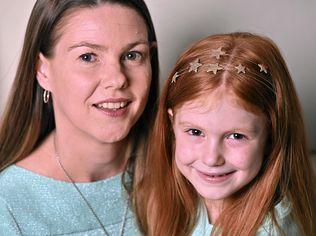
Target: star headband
214,67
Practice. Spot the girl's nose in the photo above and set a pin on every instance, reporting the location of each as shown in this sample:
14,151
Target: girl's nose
213,155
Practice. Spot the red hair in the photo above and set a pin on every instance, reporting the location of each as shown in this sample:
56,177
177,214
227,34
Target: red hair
167,204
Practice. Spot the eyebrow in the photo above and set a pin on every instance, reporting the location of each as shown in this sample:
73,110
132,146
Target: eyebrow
188,124
131,45
102,48
86,44
253,130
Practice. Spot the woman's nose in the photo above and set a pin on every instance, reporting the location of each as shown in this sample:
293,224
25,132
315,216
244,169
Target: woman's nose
113,76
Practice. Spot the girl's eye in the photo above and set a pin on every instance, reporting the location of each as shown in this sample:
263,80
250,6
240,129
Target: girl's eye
133,56
195,132
88,57
236,136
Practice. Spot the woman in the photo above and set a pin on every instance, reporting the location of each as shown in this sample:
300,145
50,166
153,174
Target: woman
78,116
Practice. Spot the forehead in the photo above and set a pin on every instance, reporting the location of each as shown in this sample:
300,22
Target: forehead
107,20
220,104
209,101
218,114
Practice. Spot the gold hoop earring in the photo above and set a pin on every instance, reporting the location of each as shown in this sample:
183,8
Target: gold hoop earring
46,96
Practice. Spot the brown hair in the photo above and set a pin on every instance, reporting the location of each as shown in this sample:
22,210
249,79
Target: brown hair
167,204
26,120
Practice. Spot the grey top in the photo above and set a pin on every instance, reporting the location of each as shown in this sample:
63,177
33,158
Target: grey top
31,204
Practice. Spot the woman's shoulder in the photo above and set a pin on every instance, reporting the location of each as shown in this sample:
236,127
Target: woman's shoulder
12,180
32,201
9,175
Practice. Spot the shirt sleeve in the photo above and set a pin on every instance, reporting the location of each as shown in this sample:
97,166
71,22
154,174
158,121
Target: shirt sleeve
8,224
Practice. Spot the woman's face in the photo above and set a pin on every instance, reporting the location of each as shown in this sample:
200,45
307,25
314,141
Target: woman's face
100,72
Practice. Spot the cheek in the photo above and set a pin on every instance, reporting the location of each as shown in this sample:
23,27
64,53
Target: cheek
249,159
140,86
184,151
68,81
141,80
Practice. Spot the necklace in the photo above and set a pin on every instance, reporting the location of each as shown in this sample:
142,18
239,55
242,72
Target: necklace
57,157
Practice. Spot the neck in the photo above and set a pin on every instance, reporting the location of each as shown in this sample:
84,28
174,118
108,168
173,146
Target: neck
214,209
87,160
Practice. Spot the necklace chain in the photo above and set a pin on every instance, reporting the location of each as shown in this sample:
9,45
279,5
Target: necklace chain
57,157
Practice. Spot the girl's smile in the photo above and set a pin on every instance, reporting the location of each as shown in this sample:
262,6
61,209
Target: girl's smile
214,178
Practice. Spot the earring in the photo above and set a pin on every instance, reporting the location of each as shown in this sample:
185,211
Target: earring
46,96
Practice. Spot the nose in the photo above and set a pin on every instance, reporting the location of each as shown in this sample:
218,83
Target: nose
213,155
113,76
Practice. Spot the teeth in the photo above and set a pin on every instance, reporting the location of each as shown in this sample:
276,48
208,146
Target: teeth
112,105
213,176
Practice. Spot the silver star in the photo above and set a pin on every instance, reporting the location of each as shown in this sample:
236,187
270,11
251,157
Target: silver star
174,77
240,68
217,53
214,68
263,68
194,66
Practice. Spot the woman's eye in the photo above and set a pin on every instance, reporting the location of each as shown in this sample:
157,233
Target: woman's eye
88,57
133,56
195,132
236,136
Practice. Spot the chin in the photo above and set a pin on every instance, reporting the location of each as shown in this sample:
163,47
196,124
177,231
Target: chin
113,133
214,197
214,194
114,139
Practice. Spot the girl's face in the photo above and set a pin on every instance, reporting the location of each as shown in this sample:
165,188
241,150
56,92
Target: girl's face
100,72
219,145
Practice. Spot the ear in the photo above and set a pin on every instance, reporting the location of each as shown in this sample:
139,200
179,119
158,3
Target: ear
170,113
42,72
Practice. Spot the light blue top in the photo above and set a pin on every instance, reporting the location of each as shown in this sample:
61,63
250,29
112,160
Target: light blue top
31,204
282,210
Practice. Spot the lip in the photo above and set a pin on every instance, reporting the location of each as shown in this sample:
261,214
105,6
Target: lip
215,178
113,100
113,112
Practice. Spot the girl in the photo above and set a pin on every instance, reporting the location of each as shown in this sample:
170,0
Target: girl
78,116
228,154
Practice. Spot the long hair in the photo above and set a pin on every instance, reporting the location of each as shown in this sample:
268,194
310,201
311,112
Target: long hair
167,204
26,120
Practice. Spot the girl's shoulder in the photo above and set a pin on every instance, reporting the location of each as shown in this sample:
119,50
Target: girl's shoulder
284,219
282,213
203,227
